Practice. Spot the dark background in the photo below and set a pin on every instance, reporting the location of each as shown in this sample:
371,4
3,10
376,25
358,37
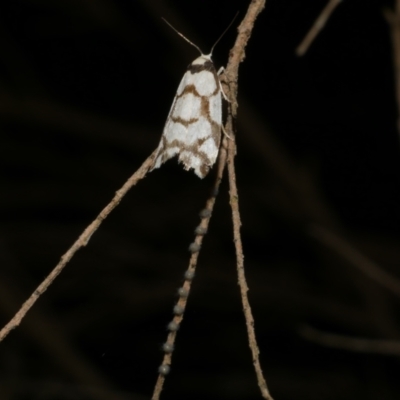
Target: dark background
85,88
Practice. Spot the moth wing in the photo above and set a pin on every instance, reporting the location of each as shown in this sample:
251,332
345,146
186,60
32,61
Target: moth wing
205,134
167,147
193,126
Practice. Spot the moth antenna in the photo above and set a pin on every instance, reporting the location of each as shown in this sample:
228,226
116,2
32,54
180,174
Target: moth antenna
184,37
223,33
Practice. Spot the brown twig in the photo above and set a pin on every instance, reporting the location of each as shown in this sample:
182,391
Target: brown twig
237,55
80,242
316,28
362,345
185,290
359,260
234,201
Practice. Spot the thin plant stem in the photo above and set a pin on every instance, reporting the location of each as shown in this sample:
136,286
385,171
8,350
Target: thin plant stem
237,55
234,201
82,241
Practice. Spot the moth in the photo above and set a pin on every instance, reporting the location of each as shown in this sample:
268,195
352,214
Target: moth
193,127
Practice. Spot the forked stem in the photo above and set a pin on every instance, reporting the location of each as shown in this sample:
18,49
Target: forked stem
184,291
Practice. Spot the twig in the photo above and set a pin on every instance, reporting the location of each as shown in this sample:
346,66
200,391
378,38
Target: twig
184,291
317,27
234,201
237,55
356,258
376,346
80,242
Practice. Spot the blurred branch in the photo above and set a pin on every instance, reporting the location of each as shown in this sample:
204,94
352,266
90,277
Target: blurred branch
316,28
393,19
356,258
360,345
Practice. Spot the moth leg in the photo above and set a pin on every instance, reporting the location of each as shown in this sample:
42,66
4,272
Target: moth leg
221,71
224,132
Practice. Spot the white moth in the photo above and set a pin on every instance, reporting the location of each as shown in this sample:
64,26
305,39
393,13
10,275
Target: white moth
193,127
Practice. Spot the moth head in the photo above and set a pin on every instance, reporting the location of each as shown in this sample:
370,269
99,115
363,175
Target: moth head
204,58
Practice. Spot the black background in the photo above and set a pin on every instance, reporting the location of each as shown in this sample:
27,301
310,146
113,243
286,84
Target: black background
85,88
